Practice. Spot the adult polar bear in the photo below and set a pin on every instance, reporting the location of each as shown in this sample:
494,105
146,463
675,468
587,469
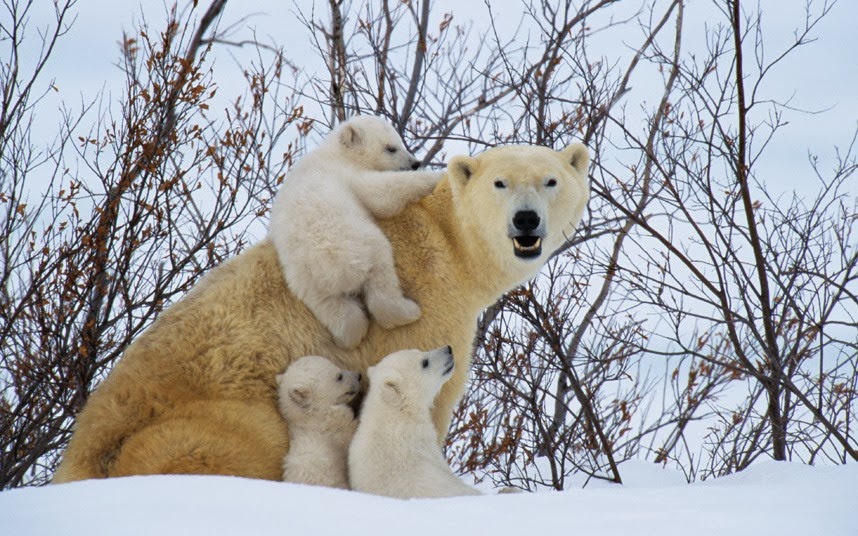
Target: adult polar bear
196,392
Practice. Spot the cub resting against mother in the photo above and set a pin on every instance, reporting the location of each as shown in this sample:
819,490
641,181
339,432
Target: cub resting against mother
196,392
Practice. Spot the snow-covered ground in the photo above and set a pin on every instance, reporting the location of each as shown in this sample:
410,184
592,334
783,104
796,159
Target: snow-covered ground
768,499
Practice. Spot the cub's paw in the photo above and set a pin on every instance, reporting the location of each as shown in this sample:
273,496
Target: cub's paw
428,180
393,312
350,330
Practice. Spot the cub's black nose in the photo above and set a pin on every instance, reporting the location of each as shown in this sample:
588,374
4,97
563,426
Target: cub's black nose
415,165
525,220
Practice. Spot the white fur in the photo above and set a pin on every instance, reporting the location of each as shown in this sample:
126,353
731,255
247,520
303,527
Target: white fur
395,450
322,226
314,399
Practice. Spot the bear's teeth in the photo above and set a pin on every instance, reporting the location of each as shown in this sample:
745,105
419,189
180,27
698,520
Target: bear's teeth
536,245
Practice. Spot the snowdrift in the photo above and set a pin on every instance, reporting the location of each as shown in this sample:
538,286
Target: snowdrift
777,499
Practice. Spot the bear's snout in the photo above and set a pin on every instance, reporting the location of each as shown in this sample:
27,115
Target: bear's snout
446,354
449,365
442,352
527,236
526,220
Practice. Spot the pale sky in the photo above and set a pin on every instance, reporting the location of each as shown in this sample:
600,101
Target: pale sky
821,77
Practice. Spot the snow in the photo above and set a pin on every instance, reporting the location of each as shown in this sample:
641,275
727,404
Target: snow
769,498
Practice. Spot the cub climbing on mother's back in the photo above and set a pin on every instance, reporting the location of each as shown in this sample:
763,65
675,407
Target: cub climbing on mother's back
323,227
316,399
395,450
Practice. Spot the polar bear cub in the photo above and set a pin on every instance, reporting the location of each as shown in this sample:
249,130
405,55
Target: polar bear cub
395,450
315,399
322,227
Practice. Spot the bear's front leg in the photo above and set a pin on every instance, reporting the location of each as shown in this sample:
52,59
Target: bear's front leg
386,193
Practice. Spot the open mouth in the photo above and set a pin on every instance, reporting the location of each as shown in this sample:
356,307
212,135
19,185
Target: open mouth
527,246
355,402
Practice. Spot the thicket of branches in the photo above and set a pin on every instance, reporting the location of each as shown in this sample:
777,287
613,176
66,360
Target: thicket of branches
118,217
699,318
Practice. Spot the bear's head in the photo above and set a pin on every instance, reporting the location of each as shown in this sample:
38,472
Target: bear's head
409,380
313,390
520,202
371,143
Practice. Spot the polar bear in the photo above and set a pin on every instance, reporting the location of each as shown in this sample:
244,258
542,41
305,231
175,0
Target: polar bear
195,393
395,450
328,243
316,399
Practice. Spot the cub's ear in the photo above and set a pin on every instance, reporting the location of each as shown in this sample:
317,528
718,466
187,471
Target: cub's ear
578,157
300,395
462,168
351,136
391,392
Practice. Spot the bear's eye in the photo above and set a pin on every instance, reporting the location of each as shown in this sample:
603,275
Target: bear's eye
425,363
340,377
551,183
391,149
500,185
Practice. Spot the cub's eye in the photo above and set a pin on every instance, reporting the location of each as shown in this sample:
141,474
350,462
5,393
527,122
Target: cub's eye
391,149
500,185
551,183
340,377
425,363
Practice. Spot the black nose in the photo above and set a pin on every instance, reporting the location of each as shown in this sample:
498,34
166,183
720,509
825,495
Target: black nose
526,220
448,349
360,376
415,165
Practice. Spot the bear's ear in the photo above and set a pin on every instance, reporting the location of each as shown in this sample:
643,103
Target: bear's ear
351,136
300,396
391,392
578,157
462,168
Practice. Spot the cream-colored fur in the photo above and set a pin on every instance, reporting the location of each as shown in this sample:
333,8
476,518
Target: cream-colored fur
315,399
322,226
395,450
196,392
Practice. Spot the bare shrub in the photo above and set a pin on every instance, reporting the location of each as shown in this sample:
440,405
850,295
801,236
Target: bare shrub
699,318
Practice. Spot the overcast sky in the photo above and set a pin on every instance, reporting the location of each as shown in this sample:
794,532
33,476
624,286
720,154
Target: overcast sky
822,77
